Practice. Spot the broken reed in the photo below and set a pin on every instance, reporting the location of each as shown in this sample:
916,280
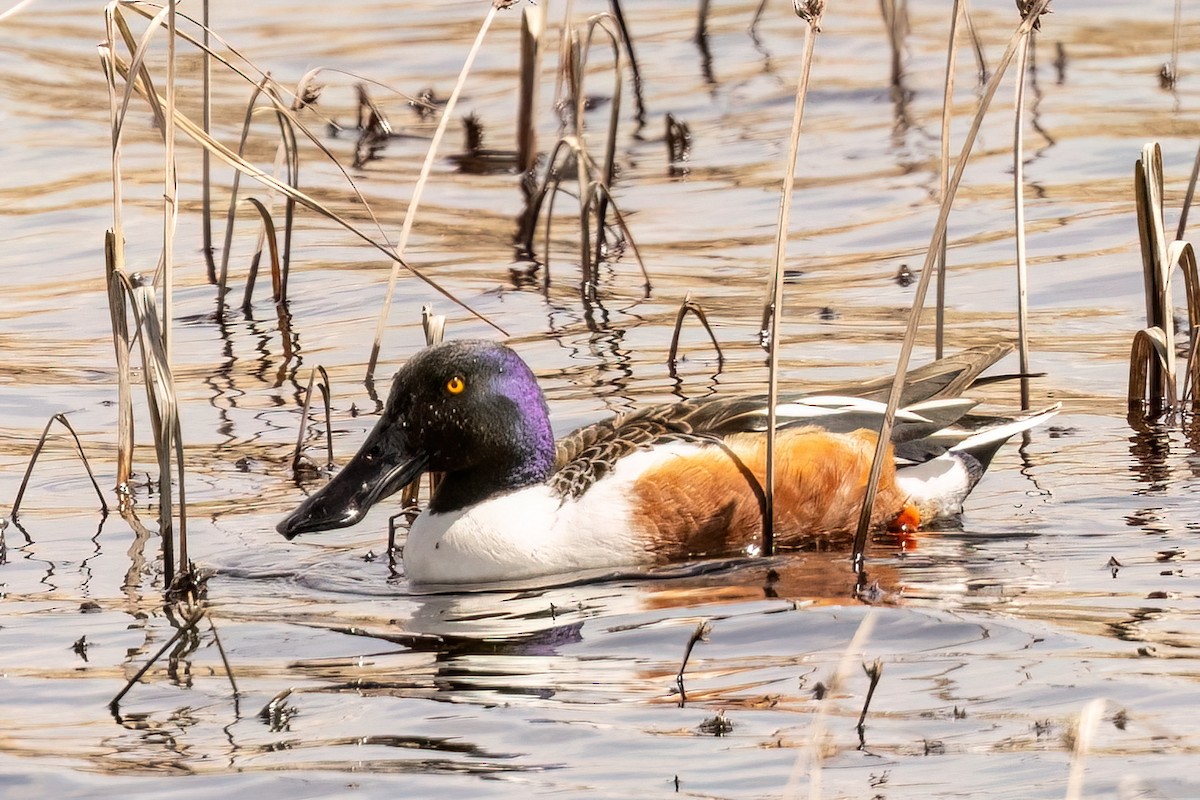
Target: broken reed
1153,379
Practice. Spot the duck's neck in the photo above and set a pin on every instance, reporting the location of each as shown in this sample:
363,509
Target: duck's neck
525,460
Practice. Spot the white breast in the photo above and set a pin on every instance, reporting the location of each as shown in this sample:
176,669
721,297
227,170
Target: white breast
532,532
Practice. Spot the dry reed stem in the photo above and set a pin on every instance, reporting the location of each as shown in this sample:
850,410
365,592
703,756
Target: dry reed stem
874,672
699,634
205,156
914,318
189,625
415,202
37,451
18,8
602,21
618,15
811,756
170,193
1085,731
1019,212
1176,30
121,345
235,187
1187,200
598,189
163,406
268,232
812,28
533,26
976,44
212,626
152,332
944,174
326,391
1156,274
1147,365
686,307
144,86
1183,255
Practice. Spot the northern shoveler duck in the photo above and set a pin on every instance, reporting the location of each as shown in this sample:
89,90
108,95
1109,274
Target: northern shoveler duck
672,481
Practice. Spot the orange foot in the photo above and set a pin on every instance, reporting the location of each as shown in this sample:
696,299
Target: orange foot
905,526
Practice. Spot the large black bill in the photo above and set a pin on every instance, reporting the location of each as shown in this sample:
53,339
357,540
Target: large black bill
374,473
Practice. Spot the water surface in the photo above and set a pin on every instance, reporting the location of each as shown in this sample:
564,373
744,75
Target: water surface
1069,580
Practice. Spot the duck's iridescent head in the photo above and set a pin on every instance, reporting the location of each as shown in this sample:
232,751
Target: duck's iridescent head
470,409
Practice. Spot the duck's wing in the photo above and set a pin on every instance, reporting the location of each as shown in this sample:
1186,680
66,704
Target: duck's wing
947,377
587,454
929,402
977,435
942,380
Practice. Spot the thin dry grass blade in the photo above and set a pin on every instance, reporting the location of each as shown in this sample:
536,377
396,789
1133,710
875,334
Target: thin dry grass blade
812,28
205,156
121,344
193,131
273,251
37,451
864,521
1085,731
170,192
298,453
1187,200
231,212
944,175
811,756
1019,211
189,625
415,202
976,45
212,626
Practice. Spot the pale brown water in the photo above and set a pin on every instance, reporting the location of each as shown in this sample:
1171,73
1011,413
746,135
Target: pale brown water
994,637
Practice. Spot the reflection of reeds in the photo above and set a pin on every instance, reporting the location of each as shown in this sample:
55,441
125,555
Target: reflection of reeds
594,180
811,757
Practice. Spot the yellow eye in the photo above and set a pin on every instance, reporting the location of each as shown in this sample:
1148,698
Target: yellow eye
456,385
